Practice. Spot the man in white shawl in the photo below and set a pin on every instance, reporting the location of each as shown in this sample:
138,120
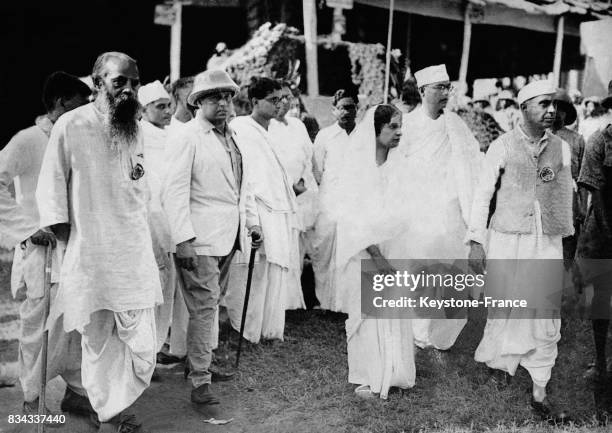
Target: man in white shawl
330,146
441,160
533,213
92,191
291,143
276,277
380,350
156,115
20,162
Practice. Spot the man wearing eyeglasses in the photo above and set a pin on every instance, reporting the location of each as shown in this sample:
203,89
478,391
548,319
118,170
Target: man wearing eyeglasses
290,141
438,159
208,204
92,191
276,282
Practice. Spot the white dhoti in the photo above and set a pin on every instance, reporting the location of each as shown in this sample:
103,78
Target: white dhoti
163,312
171,316
271,294
529,342
330,294
118,359
63,356
527,337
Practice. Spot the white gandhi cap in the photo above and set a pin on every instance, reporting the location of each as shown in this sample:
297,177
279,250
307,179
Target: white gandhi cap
431,74
535,88
152,92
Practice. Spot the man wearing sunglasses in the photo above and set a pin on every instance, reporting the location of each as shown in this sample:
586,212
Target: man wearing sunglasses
208,204
439,159
276,278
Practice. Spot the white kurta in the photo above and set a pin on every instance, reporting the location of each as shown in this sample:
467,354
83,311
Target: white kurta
525,337
174,128
329,147
276,285
154,139
179,316
20,163
439,160
109,262
109,282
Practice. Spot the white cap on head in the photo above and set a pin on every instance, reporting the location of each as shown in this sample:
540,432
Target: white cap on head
431,74
535,88
152,92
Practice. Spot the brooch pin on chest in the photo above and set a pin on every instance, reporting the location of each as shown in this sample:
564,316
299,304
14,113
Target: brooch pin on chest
546,174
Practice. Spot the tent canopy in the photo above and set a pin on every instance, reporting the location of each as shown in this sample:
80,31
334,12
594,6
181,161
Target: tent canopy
539,16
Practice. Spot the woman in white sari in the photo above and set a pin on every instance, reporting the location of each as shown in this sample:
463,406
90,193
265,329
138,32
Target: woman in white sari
380,351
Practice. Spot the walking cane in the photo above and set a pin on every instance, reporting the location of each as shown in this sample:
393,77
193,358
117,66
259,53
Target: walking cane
45,341
246,302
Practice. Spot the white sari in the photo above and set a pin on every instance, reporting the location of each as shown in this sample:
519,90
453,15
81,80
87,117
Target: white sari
380,351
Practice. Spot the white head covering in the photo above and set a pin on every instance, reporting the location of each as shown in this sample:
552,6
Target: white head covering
152,92
535,88
367,216
431,74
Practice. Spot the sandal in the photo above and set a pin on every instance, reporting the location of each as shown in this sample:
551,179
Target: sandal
364,391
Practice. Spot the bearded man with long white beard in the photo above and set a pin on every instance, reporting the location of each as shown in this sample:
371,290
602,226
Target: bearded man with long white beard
92,191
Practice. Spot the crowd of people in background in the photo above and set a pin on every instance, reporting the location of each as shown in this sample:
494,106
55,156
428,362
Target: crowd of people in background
150,198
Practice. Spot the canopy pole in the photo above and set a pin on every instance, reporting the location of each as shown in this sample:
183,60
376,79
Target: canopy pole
175,42
408,42
558,50
465,53
388,62
309,10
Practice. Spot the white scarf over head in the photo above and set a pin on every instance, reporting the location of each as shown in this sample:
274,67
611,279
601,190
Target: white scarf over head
364,192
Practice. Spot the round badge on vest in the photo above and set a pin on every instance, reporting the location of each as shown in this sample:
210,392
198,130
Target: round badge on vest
547,174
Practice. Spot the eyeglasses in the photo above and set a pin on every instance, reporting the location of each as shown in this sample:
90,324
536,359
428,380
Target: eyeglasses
215,98
274,100
443,87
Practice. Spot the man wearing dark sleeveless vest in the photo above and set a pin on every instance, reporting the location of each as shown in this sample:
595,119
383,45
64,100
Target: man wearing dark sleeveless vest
532,215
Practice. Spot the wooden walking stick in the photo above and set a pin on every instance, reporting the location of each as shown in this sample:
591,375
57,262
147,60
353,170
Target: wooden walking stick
45,341
246,302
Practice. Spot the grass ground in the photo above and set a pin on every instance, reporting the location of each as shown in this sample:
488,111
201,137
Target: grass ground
300,385
307,375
